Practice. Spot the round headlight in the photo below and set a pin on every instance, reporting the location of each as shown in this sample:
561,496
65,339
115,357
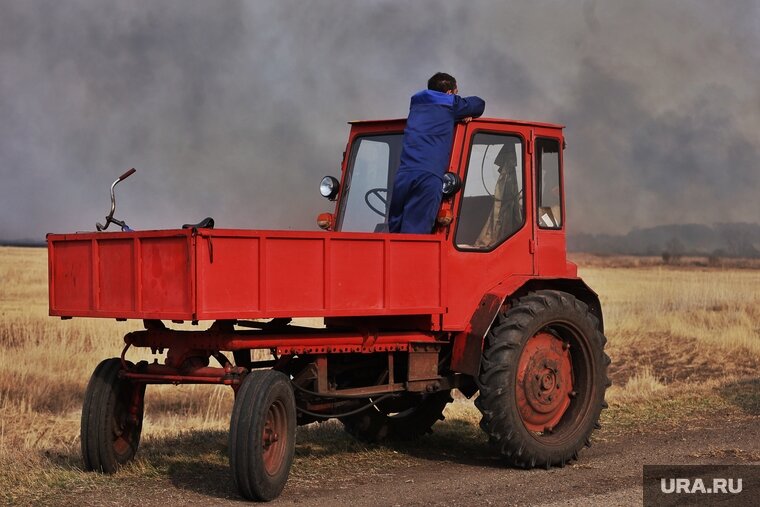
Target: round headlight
328,187
451,184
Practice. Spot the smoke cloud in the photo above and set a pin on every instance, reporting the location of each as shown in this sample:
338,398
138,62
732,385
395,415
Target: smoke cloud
237,109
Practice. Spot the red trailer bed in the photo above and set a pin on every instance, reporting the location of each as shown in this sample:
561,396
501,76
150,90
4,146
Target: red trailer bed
235,274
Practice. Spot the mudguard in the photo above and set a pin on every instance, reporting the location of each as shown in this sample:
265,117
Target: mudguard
468,345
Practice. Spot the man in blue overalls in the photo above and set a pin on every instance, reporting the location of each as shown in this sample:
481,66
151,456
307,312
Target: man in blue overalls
429,134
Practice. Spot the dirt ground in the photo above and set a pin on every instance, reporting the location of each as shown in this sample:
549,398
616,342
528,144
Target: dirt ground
609,473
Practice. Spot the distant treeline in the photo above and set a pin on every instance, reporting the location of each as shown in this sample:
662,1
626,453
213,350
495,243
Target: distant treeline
718,240
23,242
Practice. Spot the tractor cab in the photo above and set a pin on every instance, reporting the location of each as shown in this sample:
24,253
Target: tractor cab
503,200
493,163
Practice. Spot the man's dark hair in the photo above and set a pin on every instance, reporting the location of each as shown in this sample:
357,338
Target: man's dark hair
442,82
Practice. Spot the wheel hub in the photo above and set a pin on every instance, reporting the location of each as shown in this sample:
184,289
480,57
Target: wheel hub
270,436
544,382
274,438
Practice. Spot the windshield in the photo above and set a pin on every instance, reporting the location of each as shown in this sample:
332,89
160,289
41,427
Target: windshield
371,168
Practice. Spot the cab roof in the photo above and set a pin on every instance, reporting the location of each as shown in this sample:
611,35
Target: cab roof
476,120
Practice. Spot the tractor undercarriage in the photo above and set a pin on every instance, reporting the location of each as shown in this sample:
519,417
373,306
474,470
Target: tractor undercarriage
332,371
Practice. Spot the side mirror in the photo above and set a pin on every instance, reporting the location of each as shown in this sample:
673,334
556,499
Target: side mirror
452,183
329,187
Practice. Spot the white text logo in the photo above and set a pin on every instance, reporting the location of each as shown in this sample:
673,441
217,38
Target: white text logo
698,486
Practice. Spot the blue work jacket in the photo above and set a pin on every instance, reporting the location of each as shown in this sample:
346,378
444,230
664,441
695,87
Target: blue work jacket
429,131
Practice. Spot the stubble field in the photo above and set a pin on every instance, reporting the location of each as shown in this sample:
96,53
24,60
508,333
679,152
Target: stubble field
684,341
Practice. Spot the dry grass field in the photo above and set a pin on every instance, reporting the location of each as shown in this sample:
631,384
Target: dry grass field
684,340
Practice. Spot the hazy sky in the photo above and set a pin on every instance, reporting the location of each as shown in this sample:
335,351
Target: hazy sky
237,109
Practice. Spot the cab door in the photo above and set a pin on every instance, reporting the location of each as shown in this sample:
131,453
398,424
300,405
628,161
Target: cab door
492,231
549,209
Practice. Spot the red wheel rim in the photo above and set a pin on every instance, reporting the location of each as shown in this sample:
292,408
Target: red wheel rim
274,437
544,382
126,418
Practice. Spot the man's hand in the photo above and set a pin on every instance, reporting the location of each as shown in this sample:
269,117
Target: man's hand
466,120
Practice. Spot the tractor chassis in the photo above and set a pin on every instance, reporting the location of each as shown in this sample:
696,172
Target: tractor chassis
403,361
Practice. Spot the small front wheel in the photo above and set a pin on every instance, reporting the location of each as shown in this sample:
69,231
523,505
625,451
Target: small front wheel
112,417
262,435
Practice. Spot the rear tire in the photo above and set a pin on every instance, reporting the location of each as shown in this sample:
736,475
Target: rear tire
413,419
262,435
542,381
109,434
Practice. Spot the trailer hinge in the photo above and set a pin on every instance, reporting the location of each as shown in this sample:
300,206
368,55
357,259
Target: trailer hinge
532,246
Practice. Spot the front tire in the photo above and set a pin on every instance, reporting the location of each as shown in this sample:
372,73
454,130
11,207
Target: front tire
112,417
542,381
262,435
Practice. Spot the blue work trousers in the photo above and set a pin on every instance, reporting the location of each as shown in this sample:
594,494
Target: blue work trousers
415,201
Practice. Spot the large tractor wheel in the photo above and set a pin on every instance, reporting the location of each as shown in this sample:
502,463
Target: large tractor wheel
405,418
542,380
112,418
262,435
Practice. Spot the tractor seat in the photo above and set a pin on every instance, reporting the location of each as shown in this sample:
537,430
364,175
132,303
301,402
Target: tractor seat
206,223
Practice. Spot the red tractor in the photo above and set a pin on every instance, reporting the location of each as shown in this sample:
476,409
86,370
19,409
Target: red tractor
488,303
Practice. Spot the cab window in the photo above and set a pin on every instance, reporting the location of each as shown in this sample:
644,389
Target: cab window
371,169
492,206
549,212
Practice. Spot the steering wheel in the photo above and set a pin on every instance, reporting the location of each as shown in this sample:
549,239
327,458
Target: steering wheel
377,193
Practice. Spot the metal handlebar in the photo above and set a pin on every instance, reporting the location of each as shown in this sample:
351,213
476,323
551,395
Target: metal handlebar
125,175
110,219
